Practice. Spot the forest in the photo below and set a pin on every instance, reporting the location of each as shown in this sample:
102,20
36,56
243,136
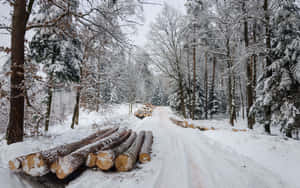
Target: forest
227,61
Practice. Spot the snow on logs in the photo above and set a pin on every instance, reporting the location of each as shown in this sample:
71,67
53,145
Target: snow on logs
37,164
145,111
185,124
105,159
69,163
104,149
126,161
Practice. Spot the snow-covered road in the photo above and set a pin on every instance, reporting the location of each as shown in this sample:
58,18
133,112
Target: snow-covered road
185,158
181,158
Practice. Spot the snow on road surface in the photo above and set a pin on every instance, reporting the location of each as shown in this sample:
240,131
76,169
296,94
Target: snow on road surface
186,158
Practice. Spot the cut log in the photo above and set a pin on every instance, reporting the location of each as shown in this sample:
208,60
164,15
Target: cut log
16,164
126,161
92,157
69,163
105,159
37,164
146,148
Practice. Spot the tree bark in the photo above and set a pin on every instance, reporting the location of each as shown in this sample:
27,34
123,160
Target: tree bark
105,160
71,162
145,154
206,87
242,98
194,75
248,72
229,66
15,128
212,91
267,109
75,117
49,103
37,164
126,161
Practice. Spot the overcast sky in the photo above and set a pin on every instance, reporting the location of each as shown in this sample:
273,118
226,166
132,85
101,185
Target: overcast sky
150,12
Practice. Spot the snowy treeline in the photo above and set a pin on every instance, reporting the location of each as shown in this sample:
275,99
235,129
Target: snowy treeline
238,56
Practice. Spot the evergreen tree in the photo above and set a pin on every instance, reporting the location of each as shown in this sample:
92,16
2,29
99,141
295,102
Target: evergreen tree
279,86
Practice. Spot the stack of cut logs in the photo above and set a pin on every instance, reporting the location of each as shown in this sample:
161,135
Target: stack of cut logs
114,147
145,111
186,124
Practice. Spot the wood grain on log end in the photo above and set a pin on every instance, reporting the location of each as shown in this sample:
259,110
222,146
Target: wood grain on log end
34,165
91,160
144,157
14,164
62,170
53,166
105,160
123,163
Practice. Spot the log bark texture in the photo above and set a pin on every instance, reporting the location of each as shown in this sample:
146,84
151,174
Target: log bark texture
126,161
37,164
105,160
145,154
69,163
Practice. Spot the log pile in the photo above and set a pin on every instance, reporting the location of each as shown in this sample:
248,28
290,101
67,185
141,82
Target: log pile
145,111
105,149
186,124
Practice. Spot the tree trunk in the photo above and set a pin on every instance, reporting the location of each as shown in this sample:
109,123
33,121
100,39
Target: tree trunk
15,129
267,109
37,164
70,163
242,98
206,87
105,160
229,66
190,84
249,74
75,117
212,91
49,103
145,154
127,160
194,75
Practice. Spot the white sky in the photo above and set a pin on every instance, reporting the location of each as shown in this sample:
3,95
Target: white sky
150,13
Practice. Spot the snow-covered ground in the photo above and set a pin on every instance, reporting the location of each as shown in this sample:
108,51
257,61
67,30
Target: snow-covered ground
183,158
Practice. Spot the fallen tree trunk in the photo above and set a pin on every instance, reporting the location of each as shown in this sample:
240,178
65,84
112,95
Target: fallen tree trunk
37,164
105,159
146,148
69,163
127,160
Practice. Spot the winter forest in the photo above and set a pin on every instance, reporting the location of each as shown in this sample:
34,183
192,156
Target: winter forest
217,80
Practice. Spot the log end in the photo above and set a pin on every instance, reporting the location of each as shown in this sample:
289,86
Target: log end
53,166
123,163
144,158
105,160
14,164
63,168
34,165
91,160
